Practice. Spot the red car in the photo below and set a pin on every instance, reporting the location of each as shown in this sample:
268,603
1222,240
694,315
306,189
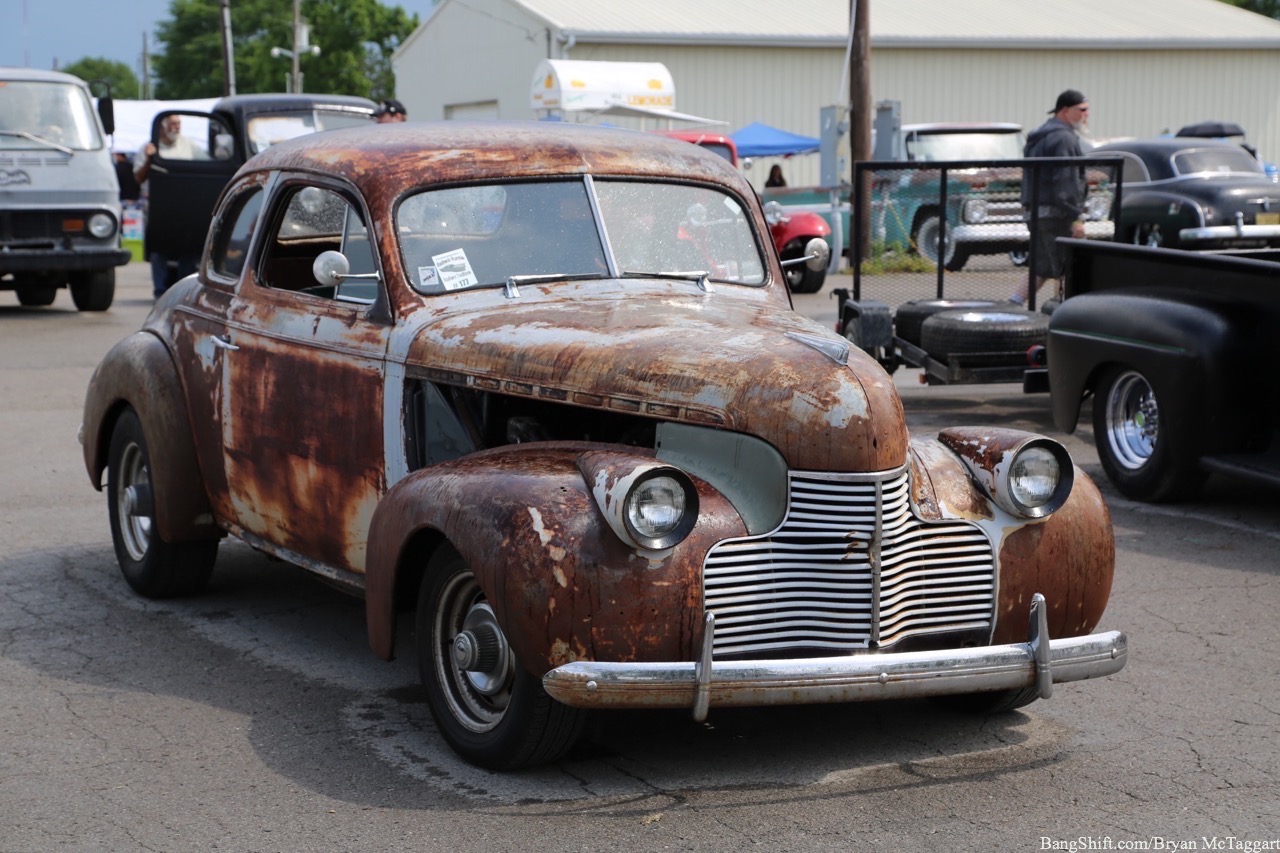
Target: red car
791,232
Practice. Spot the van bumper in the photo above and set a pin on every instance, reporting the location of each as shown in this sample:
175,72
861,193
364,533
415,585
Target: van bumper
61,260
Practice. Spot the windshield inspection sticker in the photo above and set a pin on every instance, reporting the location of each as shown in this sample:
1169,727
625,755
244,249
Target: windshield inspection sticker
428,277
454,269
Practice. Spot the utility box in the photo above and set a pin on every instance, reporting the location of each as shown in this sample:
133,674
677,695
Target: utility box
833,147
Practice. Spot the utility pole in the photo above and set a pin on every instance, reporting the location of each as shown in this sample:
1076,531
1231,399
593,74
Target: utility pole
860,106
296,76
228,51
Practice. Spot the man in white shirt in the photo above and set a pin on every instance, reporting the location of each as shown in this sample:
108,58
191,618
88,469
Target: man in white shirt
173,146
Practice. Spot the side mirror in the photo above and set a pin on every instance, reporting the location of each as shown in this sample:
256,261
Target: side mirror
330,268
107,112
817,254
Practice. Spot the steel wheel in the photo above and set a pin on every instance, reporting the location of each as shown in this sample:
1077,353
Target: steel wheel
471,656
927,241
153,567
488,707
1132,420
133,501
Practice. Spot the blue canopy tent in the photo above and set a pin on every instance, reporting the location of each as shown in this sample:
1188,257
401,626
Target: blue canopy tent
761,140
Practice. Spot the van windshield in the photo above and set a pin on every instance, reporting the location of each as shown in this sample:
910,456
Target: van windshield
38,114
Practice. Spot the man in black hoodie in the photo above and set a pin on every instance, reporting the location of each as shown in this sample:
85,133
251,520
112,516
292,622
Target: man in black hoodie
1057,193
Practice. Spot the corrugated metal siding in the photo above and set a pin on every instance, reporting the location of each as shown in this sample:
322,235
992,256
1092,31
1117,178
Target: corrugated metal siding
484,50
1085,22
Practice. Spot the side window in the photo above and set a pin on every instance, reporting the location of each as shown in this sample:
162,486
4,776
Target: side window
313,220
231,241
1134,170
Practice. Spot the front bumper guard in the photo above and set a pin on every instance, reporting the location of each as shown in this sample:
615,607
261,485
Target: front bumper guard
699,685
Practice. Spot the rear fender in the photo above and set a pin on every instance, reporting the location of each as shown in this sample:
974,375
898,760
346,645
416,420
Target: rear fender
139,373
562,584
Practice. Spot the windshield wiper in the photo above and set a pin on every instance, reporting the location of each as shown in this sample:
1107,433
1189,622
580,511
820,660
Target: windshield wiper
512,291
701,277
34,138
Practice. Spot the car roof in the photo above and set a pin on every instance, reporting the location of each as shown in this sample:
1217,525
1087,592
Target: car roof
267,102
386,159
1163,146
963,127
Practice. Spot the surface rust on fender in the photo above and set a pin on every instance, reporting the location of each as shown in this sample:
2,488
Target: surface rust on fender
1069,558
562,585
941,486
139,372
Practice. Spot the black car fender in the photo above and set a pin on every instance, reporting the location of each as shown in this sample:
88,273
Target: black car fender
1181,348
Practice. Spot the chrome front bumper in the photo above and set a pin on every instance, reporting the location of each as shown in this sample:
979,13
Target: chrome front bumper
1239,231
853,678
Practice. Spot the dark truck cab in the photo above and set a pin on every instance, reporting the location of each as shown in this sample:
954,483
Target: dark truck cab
182,193
1173,346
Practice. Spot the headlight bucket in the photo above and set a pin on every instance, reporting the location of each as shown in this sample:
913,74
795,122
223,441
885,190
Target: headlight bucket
660,508
1026,475
649,505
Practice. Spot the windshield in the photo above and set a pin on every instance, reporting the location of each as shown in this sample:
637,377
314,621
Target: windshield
267,130
58,113
478,236
965,146
1199,160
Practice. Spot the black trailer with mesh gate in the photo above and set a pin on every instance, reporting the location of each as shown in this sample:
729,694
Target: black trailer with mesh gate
938,250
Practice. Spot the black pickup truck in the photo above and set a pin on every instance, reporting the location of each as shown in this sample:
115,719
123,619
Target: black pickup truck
1177,349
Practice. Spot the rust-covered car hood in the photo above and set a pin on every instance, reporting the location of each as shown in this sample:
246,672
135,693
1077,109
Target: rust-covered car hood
725,359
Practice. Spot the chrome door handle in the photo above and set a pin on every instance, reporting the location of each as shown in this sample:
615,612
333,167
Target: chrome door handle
223,342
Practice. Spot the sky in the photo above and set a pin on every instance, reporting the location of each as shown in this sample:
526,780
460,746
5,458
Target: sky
40,33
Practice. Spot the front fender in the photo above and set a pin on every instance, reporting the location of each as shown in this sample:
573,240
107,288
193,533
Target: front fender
1174,344
799,226
561,583
1069,556
139,372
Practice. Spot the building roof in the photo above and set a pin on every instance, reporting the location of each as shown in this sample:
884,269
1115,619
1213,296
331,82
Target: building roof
1094,24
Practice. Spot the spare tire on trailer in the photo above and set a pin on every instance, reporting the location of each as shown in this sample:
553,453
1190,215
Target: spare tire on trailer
911,315
983,330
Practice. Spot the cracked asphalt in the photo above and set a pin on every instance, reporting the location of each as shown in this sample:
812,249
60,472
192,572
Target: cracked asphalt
255,718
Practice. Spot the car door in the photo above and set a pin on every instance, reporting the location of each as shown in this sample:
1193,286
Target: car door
201,333
303,431
182,192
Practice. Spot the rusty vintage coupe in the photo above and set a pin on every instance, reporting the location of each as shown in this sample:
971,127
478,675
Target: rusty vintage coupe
542,387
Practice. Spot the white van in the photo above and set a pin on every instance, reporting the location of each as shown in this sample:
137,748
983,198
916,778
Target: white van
59,198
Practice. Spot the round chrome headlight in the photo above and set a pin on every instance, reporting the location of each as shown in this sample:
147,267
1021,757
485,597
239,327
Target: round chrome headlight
1039,479
975,211
1034,477
102,225
661,509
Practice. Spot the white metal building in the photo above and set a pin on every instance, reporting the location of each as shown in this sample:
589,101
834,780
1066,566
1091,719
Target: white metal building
1147,65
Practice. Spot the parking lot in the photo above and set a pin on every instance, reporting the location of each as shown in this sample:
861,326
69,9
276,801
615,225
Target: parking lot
256,718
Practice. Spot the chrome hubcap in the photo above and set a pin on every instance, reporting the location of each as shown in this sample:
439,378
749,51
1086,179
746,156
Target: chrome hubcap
473,659
1132,420
133,502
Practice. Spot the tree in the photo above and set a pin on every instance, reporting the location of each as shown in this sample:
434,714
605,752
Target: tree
356,38
1270,8
123,82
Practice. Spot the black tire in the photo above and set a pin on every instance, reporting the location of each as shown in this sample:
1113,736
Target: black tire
995,702
1142,454
153,567
983,330
495,715
910,316
94,291
1050,305
37,295
925,240
801,279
